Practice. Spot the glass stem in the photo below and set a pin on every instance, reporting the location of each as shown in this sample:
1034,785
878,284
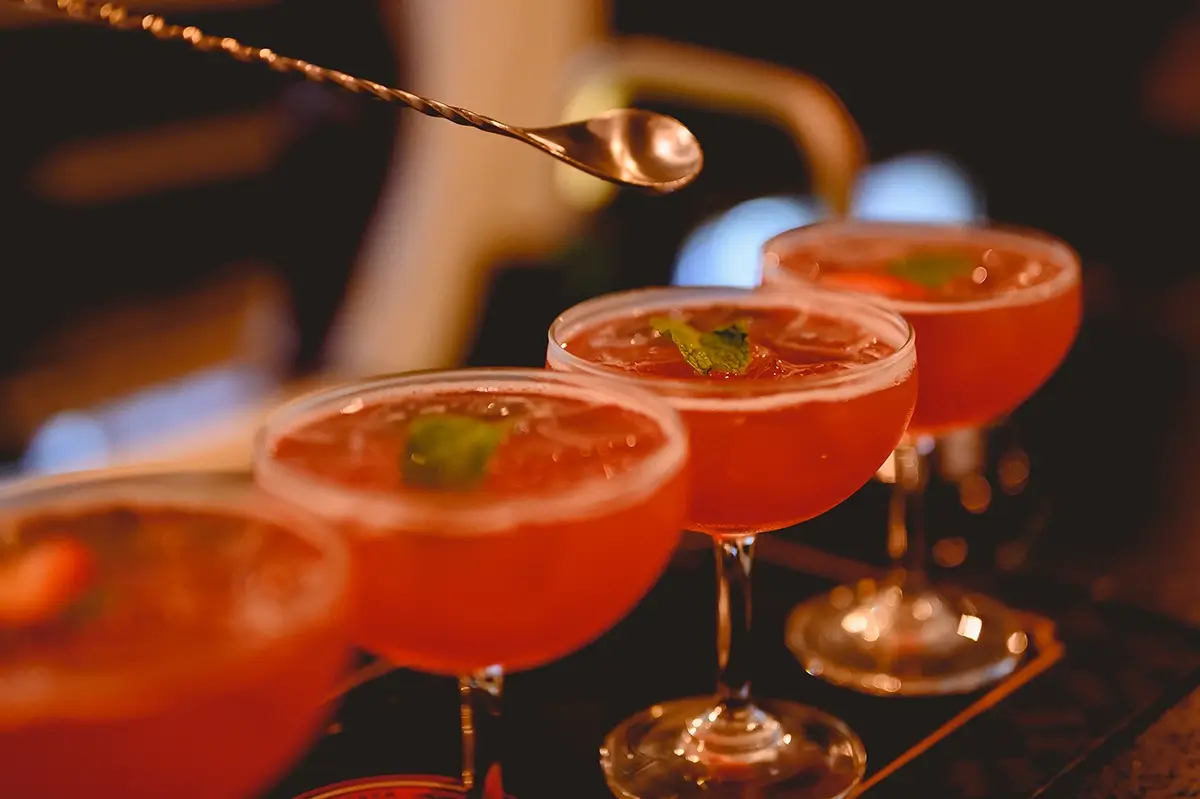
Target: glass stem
906,516
735,559
479,696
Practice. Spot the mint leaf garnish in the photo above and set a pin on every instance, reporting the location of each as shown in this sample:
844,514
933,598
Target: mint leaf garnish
932,270
726,349
450,451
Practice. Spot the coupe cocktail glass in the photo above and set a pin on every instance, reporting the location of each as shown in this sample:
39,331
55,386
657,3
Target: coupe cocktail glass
162,636
995,311
828,385
575,508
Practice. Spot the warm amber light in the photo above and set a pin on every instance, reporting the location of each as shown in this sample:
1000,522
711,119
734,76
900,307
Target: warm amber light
975,493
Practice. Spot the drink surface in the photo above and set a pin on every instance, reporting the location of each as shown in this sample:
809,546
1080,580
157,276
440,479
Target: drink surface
784,342
161,649
554,443
949,273
571,520
995,311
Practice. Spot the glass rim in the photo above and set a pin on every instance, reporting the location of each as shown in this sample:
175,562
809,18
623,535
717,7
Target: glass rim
1023,239
227,492
703,393
218,490
464,516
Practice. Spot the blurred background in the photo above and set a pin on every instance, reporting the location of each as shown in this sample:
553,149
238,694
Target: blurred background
188,239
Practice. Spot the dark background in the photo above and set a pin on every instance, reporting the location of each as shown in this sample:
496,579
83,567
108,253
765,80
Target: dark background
1047,108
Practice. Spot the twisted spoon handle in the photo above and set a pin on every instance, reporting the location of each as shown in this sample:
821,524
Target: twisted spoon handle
121,18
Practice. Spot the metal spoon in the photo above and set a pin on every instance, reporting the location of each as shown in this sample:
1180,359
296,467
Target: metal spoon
624,146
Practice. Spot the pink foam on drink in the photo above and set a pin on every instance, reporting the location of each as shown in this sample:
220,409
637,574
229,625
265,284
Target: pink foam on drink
784,342
555,442
1001,267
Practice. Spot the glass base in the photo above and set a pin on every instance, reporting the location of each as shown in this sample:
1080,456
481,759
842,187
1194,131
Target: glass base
927,643
396,786
683,749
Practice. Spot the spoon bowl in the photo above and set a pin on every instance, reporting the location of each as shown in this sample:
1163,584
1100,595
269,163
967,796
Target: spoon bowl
626,146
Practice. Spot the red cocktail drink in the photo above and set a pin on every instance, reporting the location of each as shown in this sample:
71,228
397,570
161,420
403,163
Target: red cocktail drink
542,541
494,517
791,402
162,637
750,440
995,311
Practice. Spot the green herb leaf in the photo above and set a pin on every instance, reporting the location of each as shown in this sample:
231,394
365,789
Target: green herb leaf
726,349
932,270
451,451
